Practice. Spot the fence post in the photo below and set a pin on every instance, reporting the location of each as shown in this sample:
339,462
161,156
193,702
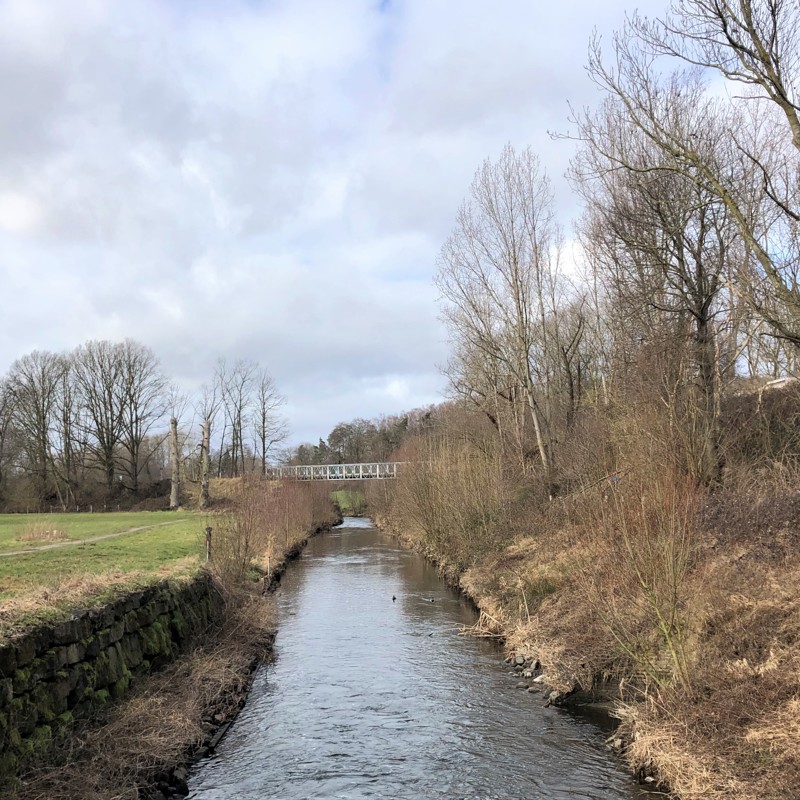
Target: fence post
208,543
267,578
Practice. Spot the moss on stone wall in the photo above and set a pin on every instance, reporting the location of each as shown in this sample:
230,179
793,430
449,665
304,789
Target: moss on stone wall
54,674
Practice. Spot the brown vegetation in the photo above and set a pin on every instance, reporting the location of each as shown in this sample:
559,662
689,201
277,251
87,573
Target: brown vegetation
676,599
633,445
41,532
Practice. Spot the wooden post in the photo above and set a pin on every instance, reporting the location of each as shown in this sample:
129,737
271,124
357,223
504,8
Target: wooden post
267,578
208,543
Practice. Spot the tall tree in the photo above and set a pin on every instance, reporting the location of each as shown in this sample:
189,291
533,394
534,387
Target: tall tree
664,245
236,385
349,442
175,464
6,408
98,376
496,274
33,388
751,161
269,428
142,398
207,407
68,465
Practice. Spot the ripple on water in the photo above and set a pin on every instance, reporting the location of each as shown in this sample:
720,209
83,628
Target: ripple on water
373,698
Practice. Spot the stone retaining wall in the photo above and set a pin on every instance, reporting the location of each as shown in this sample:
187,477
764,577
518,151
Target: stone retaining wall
54,674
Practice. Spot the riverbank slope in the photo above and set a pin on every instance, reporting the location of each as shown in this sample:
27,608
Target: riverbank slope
679,607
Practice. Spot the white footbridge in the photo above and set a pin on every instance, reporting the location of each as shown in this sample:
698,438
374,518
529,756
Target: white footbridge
336,472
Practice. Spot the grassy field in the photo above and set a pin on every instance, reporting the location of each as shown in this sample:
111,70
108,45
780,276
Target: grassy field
351,501
20,531
172,548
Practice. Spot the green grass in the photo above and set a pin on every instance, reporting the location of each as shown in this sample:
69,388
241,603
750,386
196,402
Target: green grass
173,549
74,527
351,501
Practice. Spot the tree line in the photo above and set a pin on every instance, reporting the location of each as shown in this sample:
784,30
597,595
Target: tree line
687,278
616,470
92,426
688,246
682,282
362,441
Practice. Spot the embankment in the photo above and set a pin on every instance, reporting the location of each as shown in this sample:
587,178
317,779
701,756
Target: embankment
120,697
707,696
54,675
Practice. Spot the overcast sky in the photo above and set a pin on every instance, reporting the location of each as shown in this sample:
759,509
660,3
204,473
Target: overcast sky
266,180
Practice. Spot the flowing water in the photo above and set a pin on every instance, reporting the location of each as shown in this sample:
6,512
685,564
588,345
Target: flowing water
370,697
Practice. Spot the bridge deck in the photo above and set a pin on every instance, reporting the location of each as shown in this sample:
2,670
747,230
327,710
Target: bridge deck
336,472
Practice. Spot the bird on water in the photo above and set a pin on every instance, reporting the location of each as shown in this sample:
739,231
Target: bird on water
393,598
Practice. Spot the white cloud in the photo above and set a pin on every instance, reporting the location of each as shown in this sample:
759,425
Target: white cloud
19,214
264,180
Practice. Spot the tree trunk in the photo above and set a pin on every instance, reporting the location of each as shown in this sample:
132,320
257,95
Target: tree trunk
204,463
174,494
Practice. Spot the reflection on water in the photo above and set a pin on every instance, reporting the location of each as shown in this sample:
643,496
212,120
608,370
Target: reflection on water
370,697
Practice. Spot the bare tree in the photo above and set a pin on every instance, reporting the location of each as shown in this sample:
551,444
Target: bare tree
749,166
495,275
236,386
751,42
177,403
142,398
69,463
175,464
269,428
6,407
98,375
485,382
32,389
207,407
664,245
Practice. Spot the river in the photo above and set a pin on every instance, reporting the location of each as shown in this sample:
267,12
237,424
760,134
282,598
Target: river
370,697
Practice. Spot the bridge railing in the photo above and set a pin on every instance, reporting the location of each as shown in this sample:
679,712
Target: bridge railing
336,472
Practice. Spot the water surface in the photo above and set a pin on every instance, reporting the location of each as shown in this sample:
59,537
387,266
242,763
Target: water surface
373,698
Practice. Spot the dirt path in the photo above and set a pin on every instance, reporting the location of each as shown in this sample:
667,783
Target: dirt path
56,545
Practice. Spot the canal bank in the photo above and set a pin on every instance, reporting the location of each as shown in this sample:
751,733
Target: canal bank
164,671
373,692
571,598
598,698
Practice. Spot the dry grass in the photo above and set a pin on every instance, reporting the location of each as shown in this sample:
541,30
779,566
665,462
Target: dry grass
39,532
737,734
687,600
43,602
